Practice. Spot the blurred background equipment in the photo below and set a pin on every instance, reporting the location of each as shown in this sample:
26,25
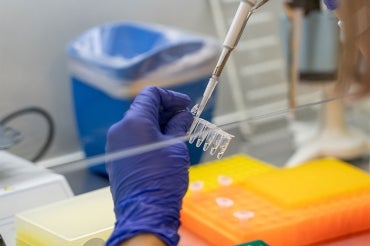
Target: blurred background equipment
311,43
9,137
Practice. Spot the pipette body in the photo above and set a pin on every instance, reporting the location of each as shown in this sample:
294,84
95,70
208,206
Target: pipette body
201,129
231,40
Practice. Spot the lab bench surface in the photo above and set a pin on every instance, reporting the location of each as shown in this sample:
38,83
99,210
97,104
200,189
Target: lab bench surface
189,239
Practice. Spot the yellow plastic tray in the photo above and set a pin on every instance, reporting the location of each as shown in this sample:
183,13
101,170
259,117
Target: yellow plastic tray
230,170
86,219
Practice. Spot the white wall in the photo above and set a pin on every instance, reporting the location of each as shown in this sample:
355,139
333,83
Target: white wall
33,37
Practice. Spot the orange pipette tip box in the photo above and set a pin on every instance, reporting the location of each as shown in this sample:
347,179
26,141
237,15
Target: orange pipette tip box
235,214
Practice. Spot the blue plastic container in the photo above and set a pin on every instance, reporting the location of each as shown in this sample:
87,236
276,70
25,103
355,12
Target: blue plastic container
111,63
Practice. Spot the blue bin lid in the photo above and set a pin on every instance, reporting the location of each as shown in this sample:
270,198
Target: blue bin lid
122,53
129,50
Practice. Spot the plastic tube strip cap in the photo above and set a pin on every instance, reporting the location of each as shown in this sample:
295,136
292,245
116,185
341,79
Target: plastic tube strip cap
214,139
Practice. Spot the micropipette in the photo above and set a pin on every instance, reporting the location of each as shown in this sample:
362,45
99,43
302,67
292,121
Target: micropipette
245,9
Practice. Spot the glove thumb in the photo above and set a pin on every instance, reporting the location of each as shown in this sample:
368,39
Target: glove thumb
179,124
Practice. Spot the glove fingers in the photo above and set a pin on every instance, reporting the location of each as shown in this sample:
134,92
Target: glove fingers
179,124
331,4
152,100
173,101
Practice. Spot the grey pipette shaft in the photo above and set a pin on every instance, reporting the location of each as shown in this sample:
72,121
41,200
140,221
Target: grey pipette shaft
236,29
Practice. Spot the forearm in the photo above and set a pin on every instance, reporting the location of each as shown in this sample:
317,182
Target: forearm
363,43
143,240
360,20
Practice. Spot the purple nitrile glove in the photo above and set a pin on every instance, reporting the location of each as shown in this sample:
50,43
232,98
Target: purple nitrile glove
331,4
148,188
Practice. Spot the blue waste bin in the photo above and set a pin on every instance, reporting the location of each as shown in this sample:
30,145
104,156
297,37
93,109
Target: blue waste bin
111,63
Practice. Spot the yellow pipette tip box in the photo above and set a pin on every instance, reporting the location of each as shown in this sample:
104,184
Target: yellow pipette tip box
86,219
230,170
312,182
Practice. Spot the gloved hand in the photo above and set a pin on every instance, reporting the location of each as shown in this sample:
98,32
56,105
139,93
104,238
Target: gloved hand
331,4
148,188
